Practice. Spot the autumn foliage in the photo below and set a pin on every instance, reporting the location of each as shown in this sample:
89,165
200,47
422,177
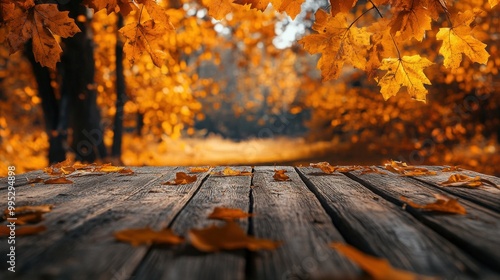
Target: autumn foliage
439,52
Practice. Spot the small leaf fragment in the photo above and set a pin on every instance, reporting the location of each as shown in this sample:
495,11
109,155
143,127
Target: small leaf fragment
279,175
378,269
138,236
324,166
228,237
228,214
228,171
443,204
58,180
181,178
199,169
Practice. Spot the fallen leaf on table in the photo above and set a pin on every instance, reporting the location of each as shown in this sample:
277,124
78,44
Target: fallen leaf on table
198,169
67,170
406,170
58,180
279,175
126,171
181,178
28,214
378,269
228,171
371,169
459,180
451,168
138,236
228,237
227,214
22,230
109,168
346,169
324,166
443,203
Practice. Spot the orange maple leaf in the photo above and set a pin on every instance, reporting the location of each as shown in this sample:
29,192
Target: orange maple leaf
138,236
218,9
145,36
39,22
406,170
279,175
404,72
458,40
341,6
411,20
371,169
379,269
493,3
443,203
228,214
290,7
338,43
109,168
181,178
227,237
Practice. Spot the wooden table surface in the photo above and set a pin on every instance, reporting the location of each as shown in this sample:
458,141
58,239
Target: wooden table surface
306,213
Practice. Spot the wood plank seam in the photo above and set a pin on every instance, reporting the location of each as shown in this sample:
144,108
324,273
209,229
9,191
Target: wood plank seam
349,236
462,245
461,195
249,255
150,248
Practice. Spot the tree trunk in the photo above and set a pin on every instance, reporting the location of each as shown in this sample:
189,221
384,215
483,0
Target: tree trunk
78,85
116,150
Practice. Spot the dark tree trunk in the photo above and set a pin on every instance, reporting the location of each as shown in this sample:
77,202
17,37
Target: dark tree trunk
116,150
56,130
77,70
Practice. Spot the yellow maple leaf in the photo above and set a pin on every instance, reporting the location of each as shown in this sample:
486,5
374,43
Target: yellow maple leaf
404,72
290,7
110,5
338,43
493,3
458,40
218,9
142,37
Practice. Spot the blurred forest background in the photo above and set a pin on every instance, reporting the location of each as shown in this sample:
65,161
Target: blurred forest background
243,91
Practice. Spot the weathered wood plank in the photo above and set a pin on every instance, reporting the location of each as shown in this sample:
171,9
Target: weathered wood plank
289,212
380,228
86,208
487,196
477,232
188,263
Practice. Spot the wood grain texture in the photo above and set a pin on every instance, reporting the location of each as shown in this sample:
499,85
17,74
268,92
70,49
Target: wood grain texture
380,228
289,212
79,243
188,263
486,195
477,232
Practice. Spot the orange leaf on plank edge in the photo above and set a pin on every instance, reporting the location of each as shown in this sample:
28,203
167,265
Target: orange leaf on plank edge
443,204
227,214
138,236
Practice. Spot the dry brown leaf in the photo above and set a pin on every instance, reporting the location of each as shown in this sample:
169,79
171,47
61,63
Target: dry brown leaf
228,237
371,169
138,236
346,169
228,171
406,170
443,203
181,178
279,175
109,168
227,214
459,180
378,269
58,180
23,230
451,169
324,166
126,171
199,169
